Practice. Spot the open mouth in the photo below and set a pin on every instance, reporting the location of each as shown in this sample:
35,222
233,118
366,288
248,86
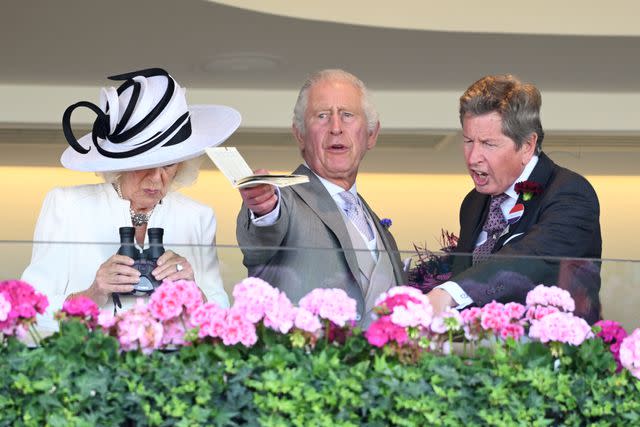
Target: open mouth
480,178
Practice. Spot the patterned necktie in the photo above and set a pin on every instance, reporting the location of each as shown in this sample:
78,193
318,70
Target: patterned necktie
356,214
494,226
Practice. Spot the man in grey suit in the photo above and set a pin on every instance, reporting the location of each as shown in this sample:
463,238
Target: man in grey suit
322,234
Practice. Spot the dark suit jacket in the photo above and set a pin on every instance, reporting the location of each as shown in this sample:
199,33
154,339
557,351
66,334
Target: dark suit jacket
309,246
563,221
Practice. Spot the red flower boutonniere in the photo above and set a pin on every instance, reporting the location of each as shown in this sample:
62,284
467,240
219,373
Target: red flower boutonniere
528,189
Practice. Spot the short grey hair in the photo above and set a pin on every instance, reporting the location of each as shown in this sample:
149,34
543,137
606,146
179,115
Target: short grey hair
517,103
300,108
186,175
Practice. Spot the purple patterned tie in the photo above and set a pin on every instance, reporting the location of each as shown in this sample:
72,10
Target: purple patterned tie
356,214
494,226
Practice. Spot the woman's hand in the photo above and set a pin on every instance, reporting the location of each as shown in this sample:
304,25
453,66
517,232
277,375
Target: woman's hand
115,275
172,266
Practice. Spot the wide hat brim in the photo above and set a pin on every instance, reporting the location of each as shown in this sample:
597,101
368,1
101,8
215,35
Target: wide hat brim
211,125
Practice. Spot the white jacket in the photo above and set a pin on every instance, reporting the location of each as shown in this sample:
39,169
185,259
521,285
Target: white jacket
78,230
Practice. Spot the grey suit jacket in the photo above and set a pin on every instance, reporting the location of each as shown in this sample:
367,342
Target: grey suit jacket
309,246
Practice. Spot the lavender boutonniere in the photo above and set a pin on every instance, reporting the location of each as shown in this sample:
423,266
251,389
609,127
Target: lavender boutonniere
386,223
528,189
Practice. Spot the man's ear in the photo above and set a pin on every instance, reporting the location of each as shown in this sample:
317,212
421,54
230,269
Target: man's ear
373,137
298,136
529,148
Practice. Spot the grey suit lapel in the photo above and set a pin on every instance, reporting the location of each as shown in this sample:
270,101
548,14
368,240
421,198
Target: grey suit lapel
316,196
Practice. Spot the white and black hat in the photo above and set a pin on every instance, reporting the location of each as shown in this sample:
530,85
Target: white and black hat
145,123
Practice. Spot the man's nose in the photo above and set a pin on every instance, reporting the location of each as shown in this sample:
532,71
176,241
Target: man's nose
336,124
474,153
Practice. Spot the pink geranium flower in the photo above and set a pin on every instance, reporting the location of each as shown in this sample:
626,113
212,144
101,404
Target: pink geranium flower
254,297
383,330
307,321
449,320
630,353
412,314
551,296
331,304
399,296
210,318
25,303
238,329
172,299
81,306
106,319
138,329
404,316
281,316
561,327
612,333
5,308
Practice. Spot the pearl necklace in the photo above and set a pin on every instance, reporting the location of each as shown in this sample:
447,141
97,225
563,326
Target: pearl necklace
137,218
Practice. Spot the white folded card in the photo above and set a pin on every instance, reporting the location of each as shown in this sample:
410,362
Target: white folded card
235,168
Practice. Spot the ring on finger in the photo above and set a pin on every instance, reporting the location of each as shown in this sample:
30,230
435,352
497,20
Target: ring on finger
179,267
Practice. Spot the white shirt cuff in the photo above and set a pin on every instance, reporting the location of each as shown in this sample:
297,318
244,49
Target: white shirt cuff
270,218
457,293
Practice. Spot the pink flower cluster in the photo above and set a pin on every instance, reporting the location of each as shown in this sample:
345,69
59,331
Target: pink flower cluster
561,327
83,308
544,300
630,353
229,325
450,320
257,301
176,308
550,311
19,305
402,311
330,304
503,320
612,333
163,321
172,299
5,308
136,328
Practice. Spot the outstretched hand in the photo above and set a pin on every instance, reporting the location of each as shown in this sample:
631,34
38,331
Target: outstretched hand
260,199
440,300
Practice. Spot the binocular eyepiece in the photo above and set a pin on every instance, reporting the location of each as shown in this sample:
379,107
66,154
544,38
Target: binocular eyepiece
144,261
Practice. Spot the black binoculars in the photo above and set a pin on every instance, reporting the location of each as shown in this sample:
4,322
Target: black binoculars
144,261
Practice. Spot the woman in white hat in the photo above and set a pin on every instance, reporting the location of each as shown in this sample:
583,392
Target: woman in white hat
145,143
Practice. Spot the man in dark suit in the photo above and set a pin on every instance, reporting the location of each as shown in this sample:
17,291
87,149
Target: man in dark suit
525,212
322,233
